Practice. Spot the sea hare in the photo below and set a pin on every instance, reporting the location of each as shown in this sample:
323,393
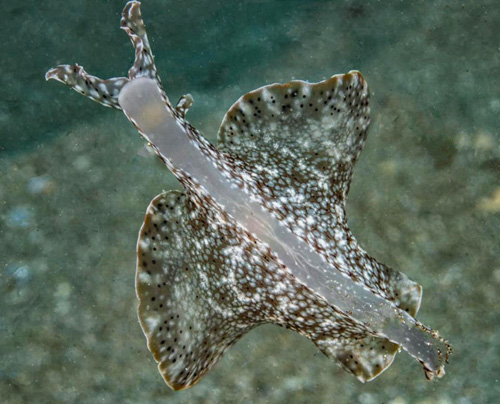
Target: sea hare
260,233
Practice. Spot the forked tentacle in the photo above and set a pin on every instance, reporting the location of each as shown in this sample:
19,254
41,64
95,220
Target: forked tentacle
105,91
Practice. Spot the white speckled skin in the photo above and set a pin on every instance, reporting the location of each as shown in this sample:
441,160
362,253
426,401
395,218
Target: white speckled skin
261,233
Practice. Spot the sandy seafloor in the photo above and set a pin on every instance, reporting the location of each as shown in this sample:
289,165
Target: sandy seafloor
425,197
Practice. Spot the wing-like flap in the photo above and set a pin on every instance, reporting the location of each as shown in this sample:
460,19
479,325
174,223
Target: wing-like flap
203,282
303,131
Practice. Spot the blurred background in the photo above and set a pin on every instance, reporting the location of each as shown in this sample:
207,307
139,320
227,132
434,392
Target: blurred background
425,197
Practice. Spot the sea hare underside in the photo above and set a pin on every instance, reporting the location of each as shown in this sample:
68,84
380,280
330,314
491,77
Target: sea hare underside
260,233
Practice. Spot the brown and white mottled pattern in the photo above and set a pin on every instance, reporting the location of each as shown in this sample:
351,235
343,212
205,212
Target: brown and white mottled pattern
203,282
301,141
260,234
106,92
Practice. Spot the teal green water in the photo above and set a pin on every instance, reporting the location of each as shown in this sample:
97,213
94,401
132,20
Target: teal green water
425,197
